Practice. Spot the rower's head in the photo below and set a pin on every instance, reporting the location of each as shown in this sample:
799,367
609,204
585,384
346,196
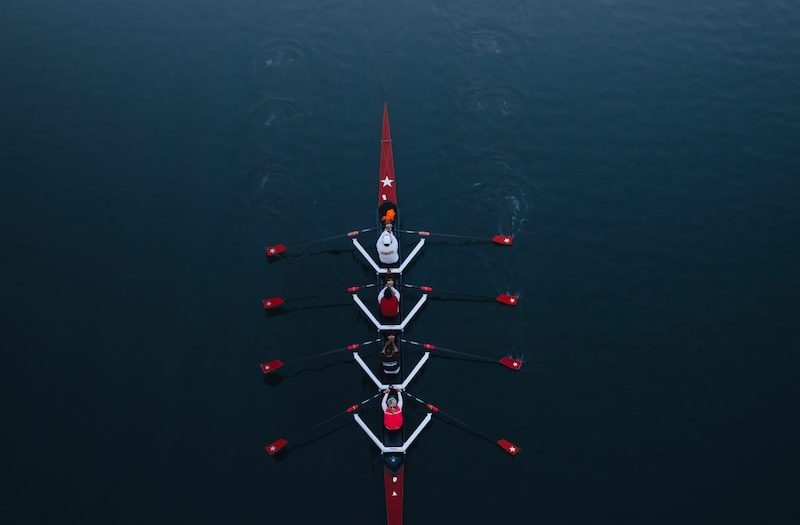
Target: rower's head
389,283
389,227
389,349
391,402
386,238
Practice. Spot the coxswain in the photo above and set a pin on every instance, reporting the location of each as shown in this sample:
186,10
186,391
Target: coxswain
390,215
387,247
389,300
389,355
392,410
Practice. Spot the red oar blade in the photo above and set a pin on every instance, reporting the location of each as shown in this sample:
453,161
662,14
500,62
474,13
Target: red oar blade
272,302
508,446
510,300
276,250
503,240
271,366
513,364
276,446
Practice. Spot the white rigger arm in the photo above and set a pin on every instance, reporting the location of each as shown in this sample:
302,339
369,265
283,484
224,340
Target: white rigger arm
396,386
414,310
378,269
411,255
369,432
369,372
367,257
383,448
416,433
380,326
414,372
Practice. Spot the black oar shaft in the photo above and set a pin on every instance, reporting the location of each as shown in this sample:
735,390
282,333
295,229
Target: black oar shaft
333,417
329,352
448,235
454,352
332,237
331,292
451,292
454,419
313,296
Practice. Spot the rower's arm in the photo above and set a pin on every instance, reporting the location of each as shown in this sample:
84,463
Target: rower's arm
399,400
384,406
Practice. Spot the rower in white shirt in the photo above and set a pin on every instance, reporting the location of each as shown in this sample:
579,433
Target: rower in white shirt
387,246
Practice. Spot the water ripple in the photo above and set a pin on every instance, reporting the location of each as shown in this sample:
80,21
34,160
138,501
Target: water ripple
279,55
497,107
276,113
264,197
507,200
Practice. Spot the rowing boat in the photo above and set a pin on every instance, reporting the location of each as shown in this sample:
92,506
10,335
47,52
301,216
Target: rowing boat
393,444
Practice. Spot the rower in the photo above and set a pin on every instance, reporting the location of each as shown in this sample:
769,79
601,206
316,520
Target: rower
387,246
389,355
389,299
392,410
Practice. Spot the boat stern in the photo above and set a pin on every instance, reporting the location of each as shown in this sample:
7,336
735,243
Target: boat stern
393,485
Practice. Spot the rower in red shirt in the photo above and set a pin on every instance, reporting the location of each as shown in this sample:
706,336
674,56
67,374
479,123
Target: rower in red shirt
392,410
389,300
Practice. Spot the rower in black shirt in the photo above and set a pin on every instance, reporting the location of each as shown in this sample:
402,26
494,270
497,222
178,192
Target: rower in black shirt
390,358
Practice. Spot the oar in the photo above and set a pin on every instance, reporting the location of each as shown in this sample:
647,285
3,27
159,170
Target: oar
277,250
274,302
508,362
506,299
505,444
280,443
273,365
500,239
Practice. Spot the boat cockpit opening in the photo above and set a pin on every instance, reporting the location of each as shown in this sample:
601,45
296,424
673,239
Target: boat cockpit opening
387,212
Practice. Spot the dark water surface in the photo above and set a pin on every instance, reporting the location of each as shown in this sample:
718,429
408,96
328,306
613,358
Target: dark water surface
644,153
